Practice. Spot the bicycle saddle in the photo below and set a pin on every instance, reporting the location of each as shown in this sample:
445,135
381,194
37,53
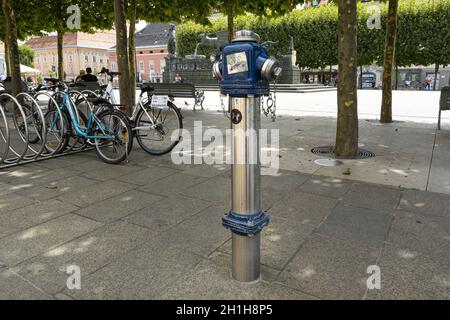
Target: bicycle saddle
97,101
145,87
54,80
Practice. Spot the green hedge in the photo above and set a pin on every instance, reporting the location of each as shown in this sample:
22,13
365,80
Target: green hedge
423,33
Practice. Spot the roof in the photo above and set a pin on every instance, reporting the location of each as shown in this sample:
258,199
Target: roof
154,34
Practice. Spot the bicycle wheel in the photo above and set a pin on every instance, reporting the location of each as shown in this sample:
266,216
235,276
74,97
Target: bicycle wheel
115,124
76,143
155,129
32,121
57,131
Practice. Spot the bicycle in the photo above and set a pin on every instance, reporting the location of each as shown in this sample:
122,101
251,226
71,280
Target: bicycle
155,119
107,129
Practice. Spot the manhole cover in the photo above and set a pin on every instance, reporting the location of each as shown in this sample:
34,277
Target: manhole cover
328,162
329,152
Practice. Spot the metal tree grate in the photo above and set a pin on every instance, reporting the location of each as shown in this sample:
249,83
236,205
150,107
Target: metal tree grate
329,152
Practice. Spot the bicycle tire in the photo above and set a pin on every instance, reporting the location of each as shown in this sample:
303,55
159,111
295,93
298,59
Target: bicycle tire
64,132
126,131
164,151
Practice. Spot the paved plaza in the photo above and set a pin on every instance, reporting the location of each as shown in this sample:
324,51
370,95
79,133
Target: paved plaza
150,229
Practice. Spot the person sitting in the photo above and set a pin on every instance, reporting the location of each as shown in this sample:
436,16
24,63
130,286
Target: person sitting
80,76
89,77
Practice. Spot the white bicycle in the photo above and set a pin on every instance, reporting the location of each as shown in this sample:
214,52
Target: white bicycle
156,121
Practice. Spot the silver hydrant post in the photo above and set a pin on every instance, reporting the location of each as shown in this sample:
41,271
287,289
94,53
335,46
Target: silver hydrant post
244,72
246,184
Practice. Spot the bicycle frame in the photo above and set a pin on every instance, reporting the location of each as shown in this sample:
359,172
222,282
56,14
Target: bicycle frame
110,94
80,130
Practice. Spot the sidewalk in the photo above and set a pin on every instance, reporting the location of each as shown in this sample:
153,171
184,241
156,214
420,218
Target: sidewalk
151,230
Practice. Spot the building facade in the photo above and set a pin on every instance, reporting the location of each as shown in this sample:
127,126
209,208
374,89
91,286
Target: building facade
151,52
81,50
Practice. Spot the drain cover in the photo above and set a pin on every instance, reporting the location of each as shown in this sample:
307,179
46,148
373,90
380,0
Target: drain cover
329,152
328,162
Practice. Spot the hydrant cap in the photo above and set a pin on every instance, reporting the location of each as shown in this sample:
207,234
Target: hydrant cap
246,36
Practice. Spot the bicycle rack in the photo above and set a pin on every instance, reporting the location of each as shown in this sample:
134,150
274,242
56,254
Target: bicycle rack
24,134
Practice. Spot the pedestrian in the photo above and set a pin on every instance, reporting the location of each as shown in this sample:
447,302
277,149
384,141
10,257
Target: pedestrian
178,78
89,77
428,81
80,76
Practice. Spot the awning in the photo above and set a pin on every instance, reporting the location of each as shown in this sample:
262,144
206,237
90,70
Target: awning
25,69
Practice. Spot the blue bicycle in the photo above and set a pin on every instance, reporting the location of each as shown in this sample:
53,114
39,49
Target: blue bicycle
67,126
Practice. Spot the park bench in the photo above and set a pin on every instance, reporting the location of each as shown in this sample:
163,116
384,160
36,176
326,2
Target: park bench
180,90
93,86
444,103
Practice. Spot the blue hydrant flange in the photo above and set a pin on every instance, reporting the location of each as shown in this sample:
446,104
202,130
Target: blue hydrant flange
246,225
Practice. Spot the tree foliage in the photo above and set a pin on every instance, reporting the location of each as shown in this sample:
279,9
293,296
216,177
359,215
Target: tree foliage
423,33
26,55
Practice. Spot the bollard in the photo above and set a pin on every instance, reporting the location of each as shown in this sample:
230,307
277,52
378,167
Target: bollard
245,72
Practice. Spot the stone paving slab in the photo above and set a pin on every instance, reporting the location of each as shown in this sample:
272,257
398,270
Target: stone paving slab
143,273
119,206
304,207
143,177
173,184
56,188
167,213
426,203
362,195
26,244
14,287
357,225
329,268
13,201
35,214
193,286
417,232
90,253
412,275
96,192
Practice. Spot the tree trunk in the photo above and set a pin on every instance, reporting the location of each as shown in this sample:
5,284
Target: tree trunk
8,68
436,70
132,49
13,47
60,40
122,56
347,120
389,53
396,76
231,4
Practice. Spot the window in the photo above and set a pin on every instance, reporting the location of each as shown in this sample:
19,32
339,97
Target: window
70,58
162,64
94,59
86,58
53,59
113,66
141,66
140,52
152,68
162,51
151,51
